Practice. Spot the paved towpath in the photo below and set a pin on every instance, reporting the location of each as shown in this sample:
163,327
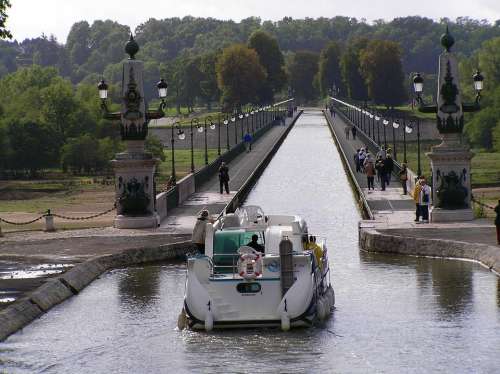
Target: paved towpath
182,219
394,213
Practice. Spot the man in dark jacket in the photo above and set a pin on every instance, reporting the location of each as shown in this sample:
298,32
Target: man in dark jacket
224,177
497,221
389,168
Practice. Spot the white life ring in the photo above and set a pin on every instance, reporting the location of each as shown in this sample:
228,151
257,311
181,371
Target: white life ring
250,265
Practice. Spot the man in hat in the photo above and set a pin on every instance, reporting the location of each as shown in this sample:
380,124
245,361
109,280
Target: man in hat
200,227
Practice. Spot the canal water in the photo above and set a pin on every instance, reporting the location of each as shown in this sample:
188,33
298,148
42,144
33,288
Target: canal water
393,314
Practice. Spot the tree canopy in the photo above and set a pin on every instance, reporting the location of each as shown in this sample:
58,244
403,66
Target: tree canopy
303,70
4,33
239,75
329,68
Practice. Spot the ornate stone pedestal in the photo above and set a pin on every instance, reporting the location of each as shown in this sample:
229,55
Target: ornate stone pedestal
135,195
451,194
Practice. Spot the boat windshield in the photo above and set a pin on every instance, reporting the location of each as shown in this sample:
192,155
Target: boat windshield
226,245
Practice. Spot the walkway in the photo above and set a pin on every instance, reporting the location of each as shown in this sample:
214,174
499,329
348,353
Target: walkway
182,219
394,213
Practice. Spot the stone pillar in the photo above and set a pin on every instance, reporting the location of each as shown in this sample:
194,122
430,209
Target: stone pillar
450,160
134,168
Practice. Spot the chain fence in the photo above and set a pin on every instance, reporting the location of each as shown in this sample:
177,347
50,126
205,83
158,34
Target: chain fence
48,214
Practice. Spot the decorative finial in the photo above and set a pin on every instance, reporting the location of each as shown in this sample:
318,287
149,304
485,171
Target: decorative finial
131,48
447,40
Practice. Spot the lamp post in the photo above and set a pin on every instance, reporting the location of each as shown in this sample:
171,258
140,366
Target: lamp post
135,168
241,116
212,127
181,135
408,129
395,125
450,160
218,134
233,120
419,165
194,122
385,122
377,119
226,123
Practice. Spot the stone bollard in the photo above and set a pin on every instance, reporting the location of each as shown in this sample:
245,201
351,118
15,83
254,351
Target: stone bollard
49,222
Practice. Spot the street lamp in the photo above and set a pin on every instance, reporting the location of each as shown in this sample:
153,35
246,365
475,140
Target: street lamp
385,122
377,120
194,122
408,129
395,125
226,123
233,120
181,135
212,127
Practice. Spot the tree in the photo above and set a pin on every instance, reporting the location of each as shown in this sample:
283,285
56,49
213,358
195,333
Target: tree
272,60
4,33
329,68
381,66
351,74
239,76
302,71
209,90
31,147
155,147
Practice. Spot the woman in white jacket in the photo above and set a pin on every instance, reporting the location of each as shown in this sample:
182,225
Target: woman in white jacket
425,200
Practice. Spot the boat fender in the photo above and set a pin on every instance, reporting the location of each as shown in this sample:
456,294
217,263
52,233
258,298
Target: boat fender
320,309
285,321
250,265
182,320
209,321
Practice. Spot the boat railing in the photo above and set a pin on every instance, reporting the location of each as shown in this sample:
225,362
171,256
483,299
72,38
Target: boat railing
233,266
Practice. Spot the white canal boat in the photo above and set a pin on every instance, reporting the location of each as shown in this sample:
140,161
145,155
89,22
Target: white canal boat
277,278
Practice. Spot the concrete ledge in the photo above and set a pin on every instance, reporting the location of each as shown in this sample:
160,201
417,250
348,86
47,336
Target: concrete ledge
373,241
54,291
49,294
16,316
186,187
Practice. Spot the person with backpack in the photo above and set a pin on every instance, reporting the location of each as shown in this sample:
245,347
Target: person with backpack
425,200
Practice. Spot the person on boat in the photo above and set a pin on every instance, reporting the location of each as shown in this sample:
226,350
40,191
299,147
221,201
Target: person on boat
316,250
255,245
224,177
199,230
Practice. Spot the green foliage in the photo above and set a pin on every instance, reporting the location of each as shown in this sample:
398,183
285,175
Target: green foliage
380,63
329,68
303,70
155,147
239,76
272,60
351,73
4,33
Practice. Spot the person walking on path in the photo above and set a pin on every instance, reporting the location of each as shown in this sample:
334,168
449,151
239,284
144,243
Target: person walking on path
497,221
382,153
354,131
362,156
389,168
403,177
370,171
416,197
248,142
347,130
380,167
224,177
424,200
356,161
199,230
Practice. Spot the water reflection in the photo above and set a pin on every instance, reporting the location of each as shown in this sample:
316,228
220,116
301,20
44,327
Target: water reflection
140,286
448,282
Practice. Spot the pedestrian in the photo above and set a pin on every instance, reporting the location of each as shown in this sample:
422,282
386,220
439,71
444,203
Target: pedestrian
248,142
356,161
362,156
377,168
347,130
382,153
354,131
497,221
224,177
199,230
370,172
381,169
425,199
389,168
403,178
416,197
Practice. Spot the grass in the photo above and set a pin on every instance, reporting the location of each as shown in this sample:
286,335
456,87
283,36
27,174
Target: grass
183,162
485,165
407,111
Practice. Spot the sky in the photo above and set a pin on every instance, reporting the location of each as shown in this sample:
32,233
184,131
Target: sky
31,18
